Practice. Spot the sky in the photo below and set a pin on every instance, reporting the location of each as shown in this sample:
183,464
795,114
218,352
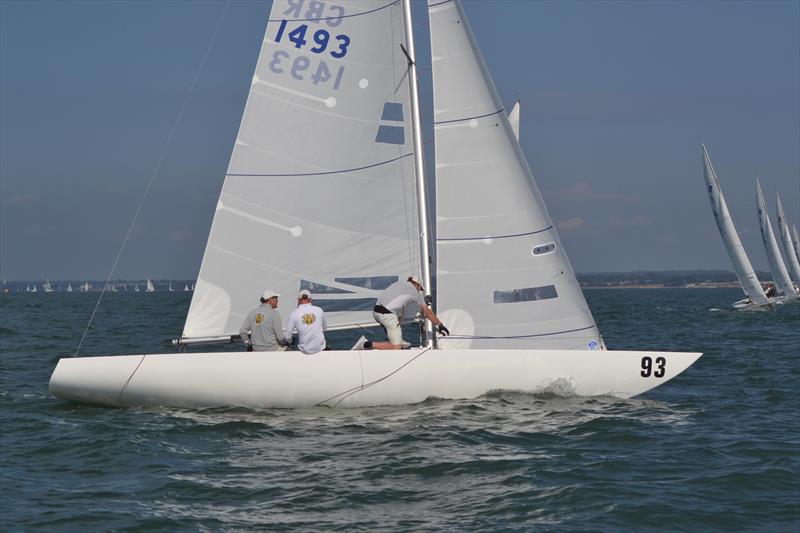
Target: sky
616,99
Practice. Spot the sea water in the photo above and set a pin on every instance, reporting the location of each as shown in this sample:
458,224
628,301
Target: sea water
716,448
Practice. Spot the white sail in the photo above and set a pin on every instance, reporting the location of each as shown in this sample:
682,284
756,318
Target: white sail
169,287
779,274
47,287
796,242
513,119
69,287
34,288
150,286
186,288
136,288
733,245
319,192
503,277
792,261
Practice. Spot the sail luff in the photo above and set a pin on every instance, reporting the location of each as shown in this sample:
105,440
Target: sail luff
733,245
419,164
792,262
513,118
779,274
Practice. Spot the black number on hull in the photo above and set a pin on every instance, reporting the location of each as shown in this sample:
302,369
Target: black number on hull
647,367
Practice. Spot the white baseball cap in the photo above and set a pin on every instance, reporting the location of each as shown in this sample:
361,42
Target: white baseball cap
304,293
269,293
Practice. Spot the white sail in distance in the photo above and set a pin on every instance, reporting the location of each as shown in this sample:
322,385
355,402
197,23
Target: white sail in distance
796,242
733,245
513,119
779,274
503,277
319,193
789,248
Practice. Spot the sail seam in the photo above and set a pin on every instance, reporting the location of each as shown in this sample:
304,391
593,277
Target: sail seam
339,16
519,336
327,173
440,3
496,237
469,118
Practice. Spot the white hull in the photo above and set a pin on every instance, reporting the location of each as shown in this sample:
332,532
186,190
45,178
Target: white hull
354,378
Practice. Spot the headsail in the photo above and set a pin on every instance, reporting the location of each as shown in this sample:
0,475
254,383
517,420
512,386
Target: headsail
320,191
789,248
503,278
733,245
796,242
779,274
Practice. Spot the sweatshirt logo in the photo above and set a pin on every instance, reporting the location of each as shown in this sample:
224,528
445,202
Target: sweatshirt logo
259,318
309,319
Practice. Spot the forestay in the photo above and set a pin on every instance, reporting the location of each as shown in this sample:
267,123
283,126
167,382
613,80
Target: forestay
320,191
789,248
779,274
741,264
503,278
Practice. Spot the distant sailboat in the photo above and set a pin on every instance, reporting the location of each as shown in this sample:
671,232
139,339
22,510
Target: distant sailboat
28,288
796,242
792,262
150,286
513,119
185,288
136,288
47,287
69,287
85,287
34,288
733,245
192,289
169,287
779,274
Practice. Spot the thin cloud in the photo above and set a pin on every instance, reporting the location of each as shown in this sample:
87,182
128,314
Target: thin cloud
570,224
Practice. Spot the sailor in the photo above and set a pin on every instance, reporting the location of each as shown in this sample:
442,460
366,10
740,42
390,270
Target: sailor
770,290
398,302
309,322
261,331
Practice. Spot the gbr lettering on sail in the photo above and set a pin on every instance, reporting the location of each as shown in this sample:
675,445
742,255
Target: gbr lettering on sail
311,45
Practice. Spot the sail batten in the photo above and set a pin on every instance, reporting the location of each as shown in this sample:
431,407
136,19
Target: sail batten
503,277
320,185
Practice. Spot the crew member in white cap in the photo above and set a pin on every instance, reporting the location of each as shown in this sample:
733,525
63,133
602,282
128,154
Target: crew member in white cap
399,303
309,323
262,330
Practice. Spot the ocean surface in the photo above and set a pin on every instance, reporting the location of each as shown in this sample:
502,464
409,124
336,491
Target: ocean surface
717,448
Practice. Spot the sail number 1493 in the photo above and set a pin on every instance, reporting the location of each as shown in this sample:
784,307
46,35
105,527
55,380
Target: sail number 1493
656,368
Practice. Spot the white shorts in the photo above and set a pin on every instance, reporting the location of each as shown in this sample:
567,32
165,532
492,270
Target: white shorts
391,324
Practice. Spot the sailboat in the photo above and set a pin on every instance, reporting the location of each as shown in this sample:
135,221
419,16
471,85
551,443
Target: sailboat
28,288
47,287
186,288
85,287
513,119
69,287
136,288
150,286
796,242
780,276
328,168
169,287
34,289
756,298
789,247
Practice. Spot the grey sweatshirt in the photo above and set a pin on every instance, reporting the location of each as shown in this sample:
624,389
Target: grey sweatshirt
265,328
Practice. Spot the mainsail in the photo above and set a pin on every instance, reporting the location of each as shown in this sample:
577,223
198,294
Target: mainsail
513,119
741,264
319,193
779,274
789,249
503,277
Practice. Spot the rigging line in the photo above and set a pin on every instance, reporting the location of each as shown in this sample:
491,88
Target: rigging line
153,175
518,336
125,386
375,382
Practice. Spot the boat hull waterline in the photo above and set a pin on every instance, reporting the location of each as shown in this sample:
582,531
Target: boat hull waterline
356,378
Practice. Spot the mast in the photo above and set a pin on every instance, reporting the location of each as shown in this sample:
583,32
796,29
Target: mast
419,161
